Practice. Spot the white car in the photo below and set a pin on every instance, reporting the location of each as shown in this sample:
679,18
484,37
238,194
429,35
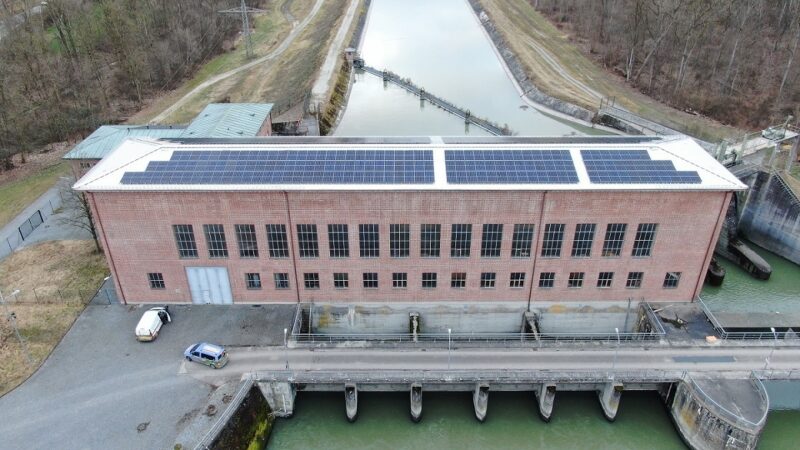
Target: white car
149,325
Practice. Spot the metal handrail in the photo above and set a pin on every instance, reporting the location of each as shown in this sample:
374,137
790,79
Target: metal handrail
711,317
474,337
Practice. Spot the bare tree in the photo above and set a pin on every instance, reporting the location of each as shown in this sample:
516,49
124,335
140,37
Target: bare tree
78,213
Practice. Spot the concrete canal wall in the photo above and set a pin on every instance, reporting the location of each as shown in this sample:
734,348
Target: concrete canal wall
249,426
771,215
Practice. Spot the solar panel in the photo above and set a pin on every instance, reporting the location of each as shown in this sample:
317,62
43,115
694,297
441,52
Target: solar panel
289,167
633,167
510,167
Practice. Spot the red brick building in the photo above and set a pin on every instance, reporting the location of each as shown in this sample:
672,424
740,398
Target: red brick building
353,220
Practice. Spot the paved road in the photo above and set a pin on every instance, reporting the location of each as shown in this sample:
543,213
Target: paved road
716,360
99,384
214,80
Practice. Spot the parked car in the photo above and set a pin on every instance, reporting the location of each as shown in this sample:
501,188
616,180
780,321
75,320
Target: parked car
209,354
150,324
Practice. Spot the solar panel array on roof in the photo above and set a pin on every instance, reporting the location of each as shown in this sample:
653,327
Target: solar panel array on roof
633,167
510,167
289,167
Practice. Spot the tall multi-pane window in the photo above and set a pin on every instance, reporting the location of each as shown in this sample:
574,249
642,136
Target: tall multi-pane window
370,280
399,240
604,279
253,280
460,240
184,238
575,280
341,280
430,239
488,279
671,280
399,280
368,240
311,280
582,244
634,280
522,240
307,240
491,239
458,280
553,239
615,237
276,241
643,243
517,280
338,241
428,280
215,239
281,281
246,238
156,280
547,279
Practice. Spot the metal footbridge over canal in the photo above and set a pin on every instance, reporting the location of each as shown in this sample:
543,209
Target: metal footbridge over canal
712,388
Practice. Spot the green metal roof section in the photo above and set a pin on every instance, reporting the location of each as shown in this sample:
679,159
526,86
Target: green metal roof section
219,120
107,138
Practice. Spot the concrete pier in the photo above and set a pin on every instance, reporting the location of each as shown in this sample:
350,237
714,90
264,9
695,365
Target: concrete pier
609,396
351,402
713,414
546,395
480,400
280,396
416,402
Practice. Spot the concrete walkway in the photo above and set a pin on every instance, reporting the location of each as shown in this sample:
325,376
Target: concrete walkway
100,384
319,92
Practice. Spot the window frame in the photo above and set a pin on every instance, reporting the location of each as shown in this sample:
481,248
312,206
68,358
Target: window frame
399,278
516,280
341,280
644,240
280,278
399,240
547,280
216,242
458,280
491,240
185,241
369,240
614,240
307,240
583,240
575,280
430,240
253,283
524,233
605,280
488,280
553,240
277,241
460,240
338,240
672,282
370,278
634,280
311,281
246,240
431,280
156,281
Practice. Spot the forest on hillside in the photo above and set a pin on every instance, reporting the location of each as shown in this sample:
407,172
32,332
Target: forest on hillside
82,63
733,60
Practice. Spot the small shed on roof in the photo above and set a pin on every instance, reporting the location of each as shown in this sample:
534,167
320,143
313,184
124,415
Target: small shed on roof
219,120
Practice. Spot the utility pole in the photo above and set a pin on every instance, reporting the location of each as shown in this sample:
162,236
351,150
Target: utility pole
244,10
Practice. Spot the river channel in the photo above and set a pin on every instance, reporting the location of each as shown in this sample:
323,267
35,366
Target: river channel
441,47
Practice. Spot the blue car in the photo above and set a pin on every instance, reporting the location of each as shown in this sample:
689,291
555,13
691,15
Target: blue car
209,354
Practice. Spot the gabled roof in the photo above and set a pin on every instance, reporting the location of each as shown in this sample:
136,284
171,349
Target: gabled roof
388,164
107,138
229,120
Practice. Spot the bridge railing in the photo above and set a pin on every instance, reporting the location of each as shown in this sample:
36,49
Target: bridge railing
731,416
777,336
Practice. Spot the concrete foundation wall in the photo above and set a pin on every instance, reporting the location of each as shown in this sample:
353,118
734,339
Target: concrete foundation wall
771,216
137,229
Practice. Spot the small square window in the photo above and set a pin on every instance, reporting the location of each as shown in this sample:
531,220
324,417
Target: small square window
488,279
341,281
634,280
253,280
156,280
458,280
575,280
371,280
517,280
429,280
671,280
281,281
605,279
547,279
311,280
399,280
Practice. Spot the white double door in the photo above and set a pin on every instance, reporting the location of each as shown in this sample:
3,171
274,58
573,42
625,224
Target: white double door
209,285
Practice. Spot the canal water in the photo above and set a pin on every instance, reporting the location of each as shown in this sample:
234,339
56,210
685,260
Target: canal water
441,47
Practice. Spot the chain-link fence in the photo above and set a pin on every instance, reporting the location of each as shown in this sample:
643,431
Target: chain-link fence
53,296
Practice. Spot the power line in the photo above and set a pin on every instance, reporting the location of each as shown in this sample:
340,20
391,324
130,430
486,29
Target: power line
244,10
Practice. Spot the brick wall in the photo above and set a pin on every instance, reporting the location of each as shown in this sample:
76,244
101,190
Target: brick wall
136,227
